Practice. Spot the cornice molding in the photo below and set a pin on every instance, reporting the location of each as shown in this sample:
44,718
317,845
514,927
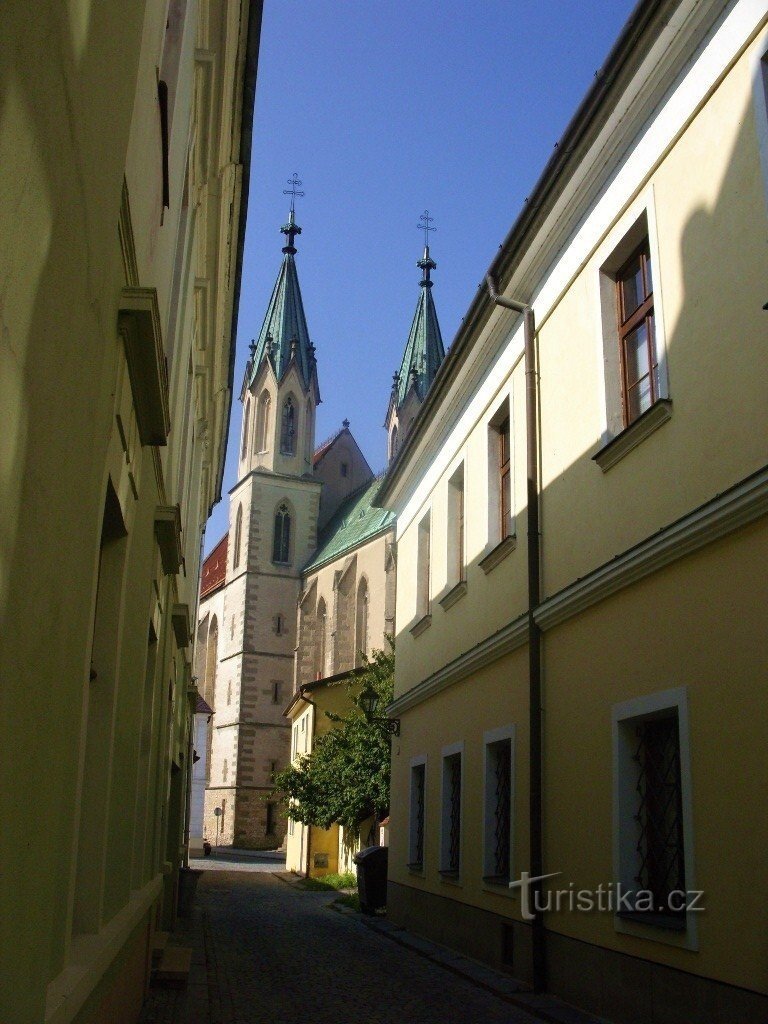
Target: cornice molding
493,647
722,515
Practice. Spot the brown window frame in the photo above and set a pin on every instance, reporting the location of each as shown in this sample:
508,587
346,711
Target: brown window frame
643,314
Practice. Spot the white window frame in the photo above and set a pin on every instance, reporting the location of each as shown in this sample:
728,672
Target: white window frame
446,754
457,559
502,734
625,802
417,762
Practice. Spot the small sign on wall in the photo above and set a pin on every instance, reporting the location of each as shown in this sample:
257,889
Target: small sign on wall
321,860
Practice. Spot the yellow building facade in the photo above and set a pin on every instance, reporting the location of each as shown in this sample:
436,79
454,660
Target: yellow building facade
124,150
581,698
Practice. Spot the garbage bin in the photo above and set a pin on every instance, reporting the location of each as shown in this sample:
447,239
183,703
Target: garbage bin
372,877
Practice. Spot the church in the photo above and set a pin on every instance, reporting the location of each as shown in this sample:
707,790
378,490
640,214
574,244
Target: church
297,507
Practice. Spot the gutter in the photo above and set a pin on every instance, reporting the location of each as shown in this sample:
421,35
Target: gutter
255,8
536,856
624,51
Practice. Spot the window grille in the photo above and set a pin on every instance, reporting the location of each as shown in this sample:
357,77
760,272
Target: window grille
660,811
502,777
417,817
454,842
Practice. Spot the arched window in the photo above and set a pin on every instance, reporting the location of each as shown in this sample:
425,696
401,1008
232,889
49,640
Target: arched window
246,425
288,428
393,442
361,622
261,436
238,537
308,431
320,643
281,545
211,662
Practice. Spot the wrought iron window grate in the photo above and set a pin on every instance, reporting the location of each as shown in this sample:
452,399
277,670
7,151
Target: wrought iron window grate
501,815
454,845
660,811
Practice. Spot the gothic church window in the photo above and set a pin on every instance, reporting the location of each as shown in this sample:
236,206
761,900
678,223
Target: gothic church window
393,442
261,437
288,428
322,623
238,537
281,545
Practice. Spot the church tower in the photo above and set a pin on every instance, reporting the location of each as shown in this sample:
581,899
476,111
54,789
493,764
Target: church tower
424,352
272,533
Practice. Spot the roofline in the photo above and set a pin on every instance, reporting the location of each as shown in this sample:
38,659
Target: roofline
255,10
317,684
555,168
310,568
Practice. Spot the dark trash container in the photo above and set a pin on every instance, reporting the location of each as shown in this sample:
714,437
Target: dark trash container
372,878
187,885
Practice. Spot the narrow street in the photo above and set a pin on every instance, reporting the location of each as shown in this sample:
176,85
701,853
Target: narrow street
265,950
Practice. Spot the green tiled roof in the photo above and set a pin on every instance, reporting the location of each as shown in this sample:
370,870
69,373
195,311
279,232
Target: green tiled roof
356,521
284,323
424,351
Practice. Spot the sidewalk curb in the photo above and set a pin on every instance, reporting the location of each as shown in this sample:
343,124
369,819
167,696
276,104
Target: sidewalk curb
540,1006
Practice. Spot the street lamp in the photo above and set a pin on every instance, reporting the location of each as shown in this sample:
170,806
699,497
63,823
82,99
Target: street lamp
369,702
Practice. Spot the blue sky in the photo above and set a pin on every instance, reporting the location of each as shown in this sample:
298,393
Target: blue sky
384,110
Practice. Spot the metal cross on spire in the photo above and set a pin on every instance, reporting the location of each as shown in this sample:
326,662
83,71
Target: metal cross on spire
425,227
293,191
426,262
291,229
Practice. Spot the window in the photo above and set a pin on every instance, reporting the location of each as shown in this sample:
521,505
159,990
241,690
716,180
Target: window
270,826
288,428
279,624
322,627
456,527
344,468
652,808
450,833
423,567
246,426
498,804
238,534
361,623
275,692
261,434
281,546
416,816
393,442
637,347
500,521
224,771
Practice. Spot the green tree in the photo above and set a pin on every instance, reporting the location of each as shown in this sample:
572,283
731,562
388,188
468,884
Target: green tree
345,778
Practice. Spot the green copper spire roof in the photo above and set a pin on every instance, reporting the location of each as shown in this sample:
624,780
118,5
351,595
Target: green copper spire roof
284,335
424,351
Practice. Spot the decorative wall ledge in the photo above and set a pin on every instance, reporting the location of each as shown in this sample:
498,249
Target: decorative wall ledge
181,625
168,535
630,438
138,323
498,554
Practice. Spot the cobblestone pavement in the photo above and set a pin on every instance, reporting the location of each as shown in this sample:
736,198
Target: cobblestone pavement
240,860
265,951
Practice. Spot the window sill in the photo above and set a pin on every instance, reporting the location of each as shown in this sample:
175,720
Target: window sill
498,553
652,920
423,624
452,877
416,869
633,435
496,881
454,594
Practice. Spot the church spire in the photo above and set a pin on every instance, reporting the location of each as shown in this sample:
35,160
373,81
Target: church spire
284,336
424,351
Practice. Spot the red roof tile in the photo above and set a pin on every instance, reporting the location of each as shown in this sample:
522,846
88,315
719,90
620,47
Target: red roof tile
214,568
